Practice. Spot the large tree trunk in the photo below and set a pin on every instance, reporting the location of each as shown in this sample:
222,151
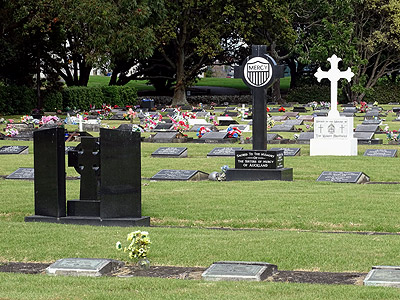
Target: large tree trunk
276,92
179,98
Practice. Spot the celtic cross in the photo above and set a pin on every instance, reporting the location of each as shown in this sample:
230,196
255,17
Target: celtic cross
334,75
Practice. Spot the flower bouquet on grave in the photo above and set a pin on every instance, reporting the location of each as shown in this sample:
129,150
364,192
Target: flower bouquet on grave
27,119
202,130
363,107
233,132
281,109
10,131
393,136
270,123
138,247
130,115
50,120
181,126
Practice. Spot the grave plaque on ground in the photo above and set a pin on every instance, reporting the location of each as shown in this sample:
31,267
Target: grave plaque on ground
83,267
306,118
381,152
383,276
321,113
289,151
291,114
223,151
305,137
165,137
180,175
279,118
372,122
22,173
295,122
196,127
170,152
163,126
192,122
256,159
225,121
367,128
282,128
343,177
239,270
299,109
14,150
214,136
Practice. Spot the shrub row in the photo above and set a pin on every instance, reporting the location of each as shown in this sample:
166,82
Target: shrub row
22,100
385,93
15,100
310,93
83,97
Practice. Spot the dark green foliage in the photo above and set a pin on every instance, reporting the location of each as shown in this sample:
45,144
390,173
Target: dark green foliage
53,101
309,93
385,93
16,100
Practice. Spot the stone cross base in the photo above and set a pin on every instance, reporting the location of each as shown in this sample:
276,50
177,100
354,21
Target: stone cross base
334,147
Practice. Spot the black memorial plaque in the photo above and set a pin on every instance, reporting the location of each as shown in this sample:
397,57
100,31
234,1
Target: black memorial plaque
224,151
282,128
343,177
381,152
181,175
258,159
214,136
14,150
22,173
163,126
170,152
288,151
366,128
165,136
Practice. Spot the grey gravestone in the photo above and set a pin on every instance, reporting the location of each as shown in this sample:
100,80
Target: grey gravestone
214,136
14,150
181,175
295,122
306,118
91,127
381,152
223,151
165,136
163,126
304,137
291,114
236,270
282,128
83,266
367,128
343,177
350,110
279,118
321,113
371,122
346,114
288,151
273,137
170,152
196,127
201,114
363,136
22,173
396,109
383,276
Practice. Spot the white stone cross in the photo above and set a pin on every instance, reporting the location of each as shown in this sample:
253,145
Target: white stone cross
334,75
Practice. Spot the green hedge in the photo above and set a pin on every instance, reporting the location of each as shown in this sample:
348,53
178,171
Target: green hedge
310,93
16,100
384,93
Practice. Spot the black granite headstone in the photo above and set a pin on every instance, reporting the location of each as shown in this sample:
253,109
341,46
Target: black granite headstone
49,162
282,128
214,136
120,191
163,126
258,159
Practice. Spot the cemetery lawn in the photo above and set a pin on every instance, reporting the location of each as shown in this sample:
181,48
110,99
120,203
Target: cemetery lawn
301,225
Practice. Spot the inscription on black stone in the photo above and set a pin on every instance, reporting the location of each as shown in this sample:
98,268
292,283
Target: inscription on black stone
341,177
288,151
22,173
224,151
14,150
170,151
381,152
259,159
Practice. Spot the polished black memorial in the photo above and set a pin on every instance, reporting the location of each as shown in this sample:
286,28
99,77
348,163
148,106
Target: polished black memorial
110,193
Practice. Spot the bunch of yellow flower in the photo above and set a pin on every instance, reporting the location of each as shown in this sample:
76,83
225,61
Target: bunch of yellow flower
139,244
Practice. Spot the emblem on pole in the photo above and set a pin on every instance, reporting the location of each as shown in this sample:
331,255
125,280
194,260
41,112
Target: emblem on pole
258,71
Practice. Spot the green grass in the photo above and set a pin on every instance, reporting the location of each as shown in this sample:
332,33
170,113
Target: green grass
286,223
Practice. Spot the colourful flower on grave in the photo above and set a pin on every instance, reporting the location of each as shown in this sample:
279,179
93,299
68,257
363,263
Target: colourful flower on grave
282,109
233,132
202,130
268,109
139,244
10,131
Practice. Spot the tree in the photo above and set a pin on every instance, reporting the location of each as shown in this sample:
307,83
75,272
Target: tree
194,35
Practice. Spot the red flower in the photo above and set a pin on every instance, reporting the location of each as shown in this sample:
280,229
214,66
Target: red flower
267,109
